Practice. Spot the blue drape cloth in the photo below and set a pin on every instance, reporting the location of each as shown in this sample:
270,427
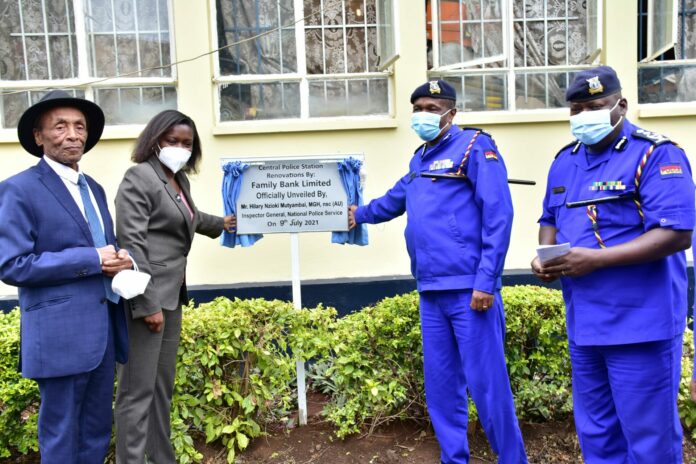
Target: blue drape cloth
231,183
349,170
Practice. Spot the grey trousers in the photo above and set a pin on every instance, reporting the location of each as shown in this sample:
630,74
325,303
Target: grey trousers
144,394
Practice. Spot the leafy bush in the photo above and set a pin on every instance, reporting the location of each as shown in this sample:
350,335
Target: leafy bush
19,397
536,349
687,408
236,369
375,373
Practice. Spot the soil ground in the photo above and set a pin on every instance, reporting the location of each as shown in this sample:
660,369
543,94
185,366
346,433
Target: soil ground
401,443
397,443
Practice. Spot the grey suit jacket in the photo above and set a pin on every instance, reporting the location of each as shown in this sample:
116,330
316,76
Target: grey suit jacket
153,224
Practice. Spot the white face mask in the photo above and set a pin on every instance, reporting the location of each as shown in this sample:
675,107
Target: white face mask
174,158
130,283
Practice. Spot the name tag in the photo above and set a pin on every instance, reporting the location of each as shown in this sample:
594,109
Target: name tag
440,164
608,185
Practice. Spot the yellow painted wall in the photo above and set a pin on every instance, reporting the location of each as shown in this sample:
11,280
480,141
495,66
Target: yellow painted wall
528,142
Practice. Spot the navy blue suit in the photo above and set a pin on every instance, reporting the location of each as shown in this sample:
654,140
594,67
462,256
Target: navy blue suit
70,333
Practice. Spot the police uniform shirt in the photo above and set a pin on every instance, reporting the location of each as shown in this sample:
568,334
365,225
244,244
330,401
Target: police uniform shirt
458,231
633,303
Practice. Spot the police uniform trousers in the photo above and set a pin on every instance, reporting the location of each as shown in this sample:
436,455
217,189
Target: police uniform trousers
144,394
464,349
625,402
75,414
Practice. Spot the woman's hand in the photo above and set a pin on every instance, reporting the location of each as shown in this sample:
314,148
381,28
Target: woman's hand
154,322
230,223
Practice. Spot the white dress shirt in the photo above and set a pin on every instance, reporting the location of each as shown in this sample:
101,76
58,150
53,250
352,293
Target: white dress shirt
69,177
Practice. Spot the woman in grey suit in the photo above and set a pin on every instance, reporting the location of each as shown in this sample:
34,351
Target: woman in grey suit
156,221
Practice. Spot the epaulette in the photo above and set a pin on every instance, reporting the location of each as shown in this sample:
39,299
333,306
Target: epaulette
477,129
573,151
654,137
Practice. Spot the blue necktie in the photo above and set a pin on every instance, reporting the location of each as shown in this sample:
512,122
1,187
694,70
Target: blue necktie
96,229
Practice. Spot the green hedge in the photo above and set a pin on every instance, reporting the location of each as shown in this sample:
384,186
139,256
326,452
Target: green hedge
236,368
19,397
375,373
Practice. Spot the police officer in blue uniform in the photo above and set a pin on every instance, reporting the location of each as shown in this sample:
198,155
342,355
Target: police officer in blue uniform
459,219
623,197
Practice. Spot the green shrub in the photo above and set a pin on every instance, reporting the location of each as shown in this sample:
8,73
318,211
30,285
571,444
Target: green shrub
687,408
236,369
375,373
19,397
536,349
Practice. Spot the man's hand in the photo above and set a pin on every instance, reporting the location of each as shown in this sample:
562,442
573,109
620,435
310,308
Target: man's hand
230,223
154,322
351,216
106,253
693,390
577,262
118,262
538,271
481,301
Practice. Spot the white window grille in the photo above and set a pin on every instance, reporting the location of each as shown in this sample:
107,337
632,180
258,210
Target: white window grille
44,44
298,59
511,55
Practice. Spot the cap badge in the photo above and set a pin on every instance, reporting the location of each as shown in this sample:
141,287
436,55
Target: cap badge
595,85
434,87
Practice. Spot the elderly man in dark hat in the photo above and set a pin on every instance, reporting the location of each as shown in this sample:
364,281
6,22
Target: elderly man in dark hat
459,221
623,197
57,246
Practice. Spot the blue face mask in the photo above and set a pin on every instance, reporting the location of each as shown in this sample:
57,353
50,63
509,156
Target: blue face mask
427,125
590,127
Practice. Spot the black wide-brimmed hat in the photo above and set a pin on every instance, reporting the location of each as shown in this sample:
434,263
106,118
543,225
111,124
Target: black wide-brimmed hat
54,99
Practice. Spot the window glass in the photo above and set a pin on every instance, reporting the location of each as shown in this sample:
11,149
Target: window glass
299,59
517,47
671,76
386,33
39,45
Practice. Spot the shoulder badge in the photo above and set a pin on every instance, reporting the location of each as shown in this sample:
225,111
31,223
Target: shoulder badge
575,144
651,136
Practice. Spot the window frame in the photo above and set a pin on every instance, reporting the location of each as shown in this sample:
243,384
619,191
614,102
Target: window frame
653,54
88,84
507,60
655,62
302,77
387,45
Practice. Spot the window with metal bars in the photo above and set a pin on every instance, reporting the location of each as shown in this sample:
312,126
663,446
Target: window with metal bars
298,59
510,55
669,76
44,44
